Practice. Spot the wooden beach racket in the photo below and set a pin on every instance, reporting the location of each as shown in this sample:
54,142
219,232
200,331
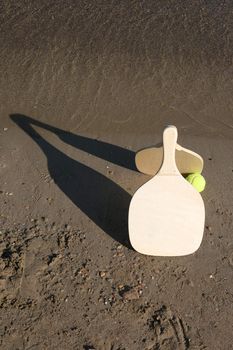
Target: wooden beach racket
149,160
167,214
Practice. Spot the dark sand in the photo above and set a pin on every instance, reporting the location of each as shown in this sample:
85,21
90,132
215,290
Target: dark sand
83,85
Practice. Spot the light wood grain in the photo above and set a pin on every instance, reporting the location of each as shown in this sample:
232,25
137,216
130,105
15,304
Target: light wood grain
149,160
166,215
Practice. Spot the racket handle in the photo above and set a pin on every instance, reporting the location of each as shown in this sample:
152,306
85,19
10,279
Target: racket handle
169,149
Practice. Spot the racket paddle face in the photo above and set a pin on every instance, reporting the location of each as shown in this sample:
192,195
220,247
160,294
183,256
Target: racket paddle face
166,215
148,161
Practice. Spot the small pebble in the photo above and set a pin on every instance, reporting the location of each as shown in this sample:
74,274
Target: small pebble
120,286
132,294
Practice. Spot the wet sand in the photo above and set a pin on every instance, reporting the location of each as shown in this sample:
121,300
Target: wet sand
82,87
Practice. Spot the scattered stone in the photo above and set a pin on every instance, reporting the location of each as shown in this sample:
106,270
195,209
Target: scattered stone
132,294
102,274
120,287
118,254
83,272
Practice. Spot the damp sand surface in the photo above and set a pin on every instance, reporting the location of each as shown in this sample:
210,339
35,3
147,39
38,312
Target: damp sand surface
83,86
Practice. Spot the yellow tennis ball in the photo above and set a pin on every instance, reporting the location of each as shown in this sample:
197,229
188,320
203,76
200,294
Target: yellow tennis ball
197,181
